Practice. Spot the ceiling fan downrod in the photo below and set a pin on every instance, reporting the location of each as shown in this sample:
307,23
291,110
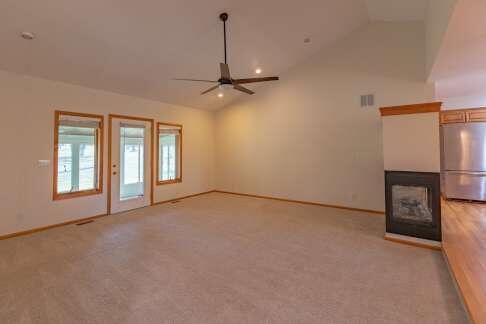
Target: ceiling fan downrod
226,80
224,18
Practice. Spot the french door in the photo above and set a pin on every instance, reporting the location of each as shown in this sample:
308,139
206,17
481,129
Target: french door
131,174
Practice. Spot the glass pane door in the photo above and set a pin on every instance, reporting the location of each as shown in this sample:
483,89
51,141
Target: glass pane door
131,161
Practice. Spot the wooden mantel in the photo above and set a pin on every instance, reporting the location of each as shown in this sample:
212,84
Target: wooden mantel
411,109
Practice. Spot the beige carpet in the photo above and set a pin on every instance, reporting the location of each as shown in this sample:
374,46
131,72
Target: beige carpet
224,259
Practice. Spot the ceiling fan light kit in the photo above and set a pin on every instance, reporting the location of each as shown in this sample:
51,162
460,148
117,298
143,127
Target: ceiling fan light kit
225,81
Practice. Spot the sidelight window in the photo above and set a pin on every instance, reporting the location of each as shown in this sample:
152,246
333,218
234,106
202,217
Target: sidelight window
169,159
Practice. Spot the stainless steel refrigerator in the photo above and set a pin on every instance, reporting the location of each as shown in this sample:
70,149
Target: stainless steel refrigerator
463,160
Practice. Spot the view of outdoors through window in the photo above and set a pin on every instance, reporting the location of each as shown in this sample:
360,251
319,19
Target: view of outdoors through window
76,159
131,161
167,157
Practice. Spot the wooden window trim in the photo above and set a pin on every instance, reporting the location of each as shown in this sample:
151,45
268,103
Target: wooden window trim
179,178
98,163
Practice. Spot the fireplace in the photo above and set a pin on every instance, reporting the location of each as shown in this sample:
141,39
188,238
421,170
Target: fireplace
413,204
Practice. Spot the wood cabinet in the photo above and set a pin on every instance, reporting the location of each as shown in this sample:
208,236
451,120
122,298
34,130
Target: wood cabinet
463,116
476,115
456,116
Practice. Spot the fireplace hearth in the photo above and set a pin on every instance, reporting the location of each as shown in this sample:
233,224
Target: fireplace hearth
413,204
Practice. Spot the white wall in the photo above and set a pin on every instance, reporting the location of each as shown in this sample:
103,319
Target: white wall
464,91
306,137
26,132
411,142
439,13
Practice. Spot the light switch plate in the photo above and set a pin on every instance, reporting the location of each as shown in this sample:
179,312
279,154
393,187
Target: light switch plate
43,163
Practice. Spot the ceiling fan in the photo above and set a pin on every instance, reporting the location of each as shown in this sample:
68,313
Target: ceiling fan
225,81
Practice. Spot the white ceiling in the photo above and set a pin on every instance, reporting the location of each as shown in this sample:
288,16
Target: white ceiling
396,10
136,47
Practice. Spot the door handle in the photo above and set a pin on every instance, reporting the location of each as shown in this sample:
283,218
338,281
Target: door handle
472,173
114,172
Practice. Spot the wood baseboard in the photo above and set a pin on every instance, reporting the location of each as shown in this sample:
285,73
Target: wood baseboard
379,212
39,229
428,244
80,220
43,228
181,198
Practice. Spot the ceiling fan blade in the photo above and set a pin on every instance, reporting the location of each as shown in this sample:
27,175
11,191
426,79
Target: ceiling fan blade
225,73
197,80
242,89
210,89
253,80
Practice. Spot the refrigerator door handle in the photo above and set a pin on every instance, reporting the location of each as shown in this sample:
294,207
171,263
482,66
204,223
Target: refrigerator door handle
472,173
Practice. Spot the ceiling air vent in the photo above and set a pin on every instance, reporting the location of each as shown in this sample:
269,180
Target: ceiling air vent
368,100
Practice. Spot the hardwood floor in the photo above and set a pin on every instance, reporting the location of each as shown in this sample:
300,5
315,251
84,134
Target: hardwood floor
464,244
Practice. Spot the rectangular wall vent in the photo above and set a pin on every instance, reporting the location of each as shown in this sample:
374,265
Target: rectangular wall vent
368,100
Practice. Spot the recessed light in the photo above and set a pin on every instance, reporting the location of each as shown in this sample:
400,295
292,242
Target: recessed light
220,95
258,71
27,35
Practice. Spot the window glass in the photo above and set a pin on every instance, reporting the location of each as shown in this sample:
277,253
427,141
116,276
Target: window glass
87,166
168,156
169,153
131,162
76,170
64,168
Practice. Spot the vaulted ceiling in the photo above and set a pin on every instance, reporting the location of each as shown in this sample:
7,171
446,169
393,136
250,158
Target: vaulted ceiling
137,47
460,67
463,49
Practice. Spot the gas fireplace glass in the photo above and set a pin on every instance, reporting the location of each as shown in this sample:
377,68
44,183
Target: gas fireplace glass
411,204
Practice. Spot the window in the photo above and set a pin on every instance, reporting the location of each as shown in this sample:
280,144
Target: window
169,157
78,148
